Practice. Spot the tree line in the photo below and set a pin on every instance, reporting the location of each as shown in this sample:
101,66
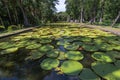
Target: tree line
93,11
27,12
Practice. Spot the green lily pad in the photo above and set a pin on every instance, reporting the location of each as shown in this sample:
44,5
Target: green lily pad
53,53
46,48
49,64
99,56
105,47
86,39
106,70
71,67
74,55
71,46
5,45
9,50
90,48
33,46
117,48
45,40
62,42
114,54
35,54
88,74
61,56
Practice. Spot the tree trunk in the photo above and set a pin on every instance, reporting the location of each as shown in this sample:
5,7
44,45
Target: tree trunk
101,11
81,12
26,23
116,19
1,21
5,2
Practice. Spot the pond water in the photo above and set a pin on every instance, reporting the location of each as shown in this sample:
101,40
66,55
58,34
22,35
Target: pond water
59,53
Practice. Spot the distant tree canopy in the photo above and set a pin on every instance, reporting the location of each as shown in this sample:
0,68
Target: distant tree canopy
92,10
27,12
35,12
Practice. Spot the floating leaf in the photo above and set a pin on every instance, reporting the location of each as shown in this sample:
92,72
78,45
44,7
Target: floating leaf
49,64
46,48
88,74
33,46
62,42
35,54
71,67
61,56
53,53
114,54
74,55
106,70
99,56
45,40
71,46
90,47
9,50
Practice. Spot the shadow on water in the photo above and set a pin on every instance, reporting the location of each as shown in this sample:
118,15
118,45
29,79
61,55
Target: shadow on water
14,66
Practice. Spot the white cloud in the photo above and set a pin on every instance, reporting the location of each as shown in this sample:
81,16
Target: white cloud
61,6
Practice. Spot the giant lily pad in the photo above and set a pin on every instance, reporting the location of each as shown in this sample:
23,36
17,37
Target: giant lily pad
88,74
90,47
61,56
35,54
62,42
74,55
46,48
114,54
106,70
9,50
5,45
71,67
105,47
99,56
49,64
53,53
71,46
45,40
33,46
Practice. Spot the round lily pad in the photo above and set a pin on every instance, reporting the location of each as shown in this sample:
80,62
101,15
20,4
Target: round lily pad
105,47
99,56
53,53
33,46
114,54
91,48
61,56
117,47
88,74
45,40
106,70
49,64
35,54
71,67
62,42
9,50
46,48
71,46
5,45
74,55
86,39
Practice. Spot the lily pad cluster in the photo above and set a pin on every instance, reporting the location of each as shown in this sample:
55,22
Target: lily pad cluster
45,45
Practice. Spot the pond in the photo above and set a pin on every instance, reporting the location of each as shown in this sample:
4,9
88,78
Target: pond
60,53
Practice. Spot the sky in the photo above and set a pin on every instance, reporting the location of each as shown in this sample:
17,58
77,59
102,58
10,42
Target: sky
61,6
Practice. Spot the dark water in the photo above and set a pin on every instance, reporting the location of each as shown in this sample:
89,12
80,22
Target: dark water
15,67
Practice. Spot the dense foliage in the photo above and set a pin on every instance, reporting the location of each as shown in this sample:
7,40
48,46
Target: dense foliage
27,12
93,10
